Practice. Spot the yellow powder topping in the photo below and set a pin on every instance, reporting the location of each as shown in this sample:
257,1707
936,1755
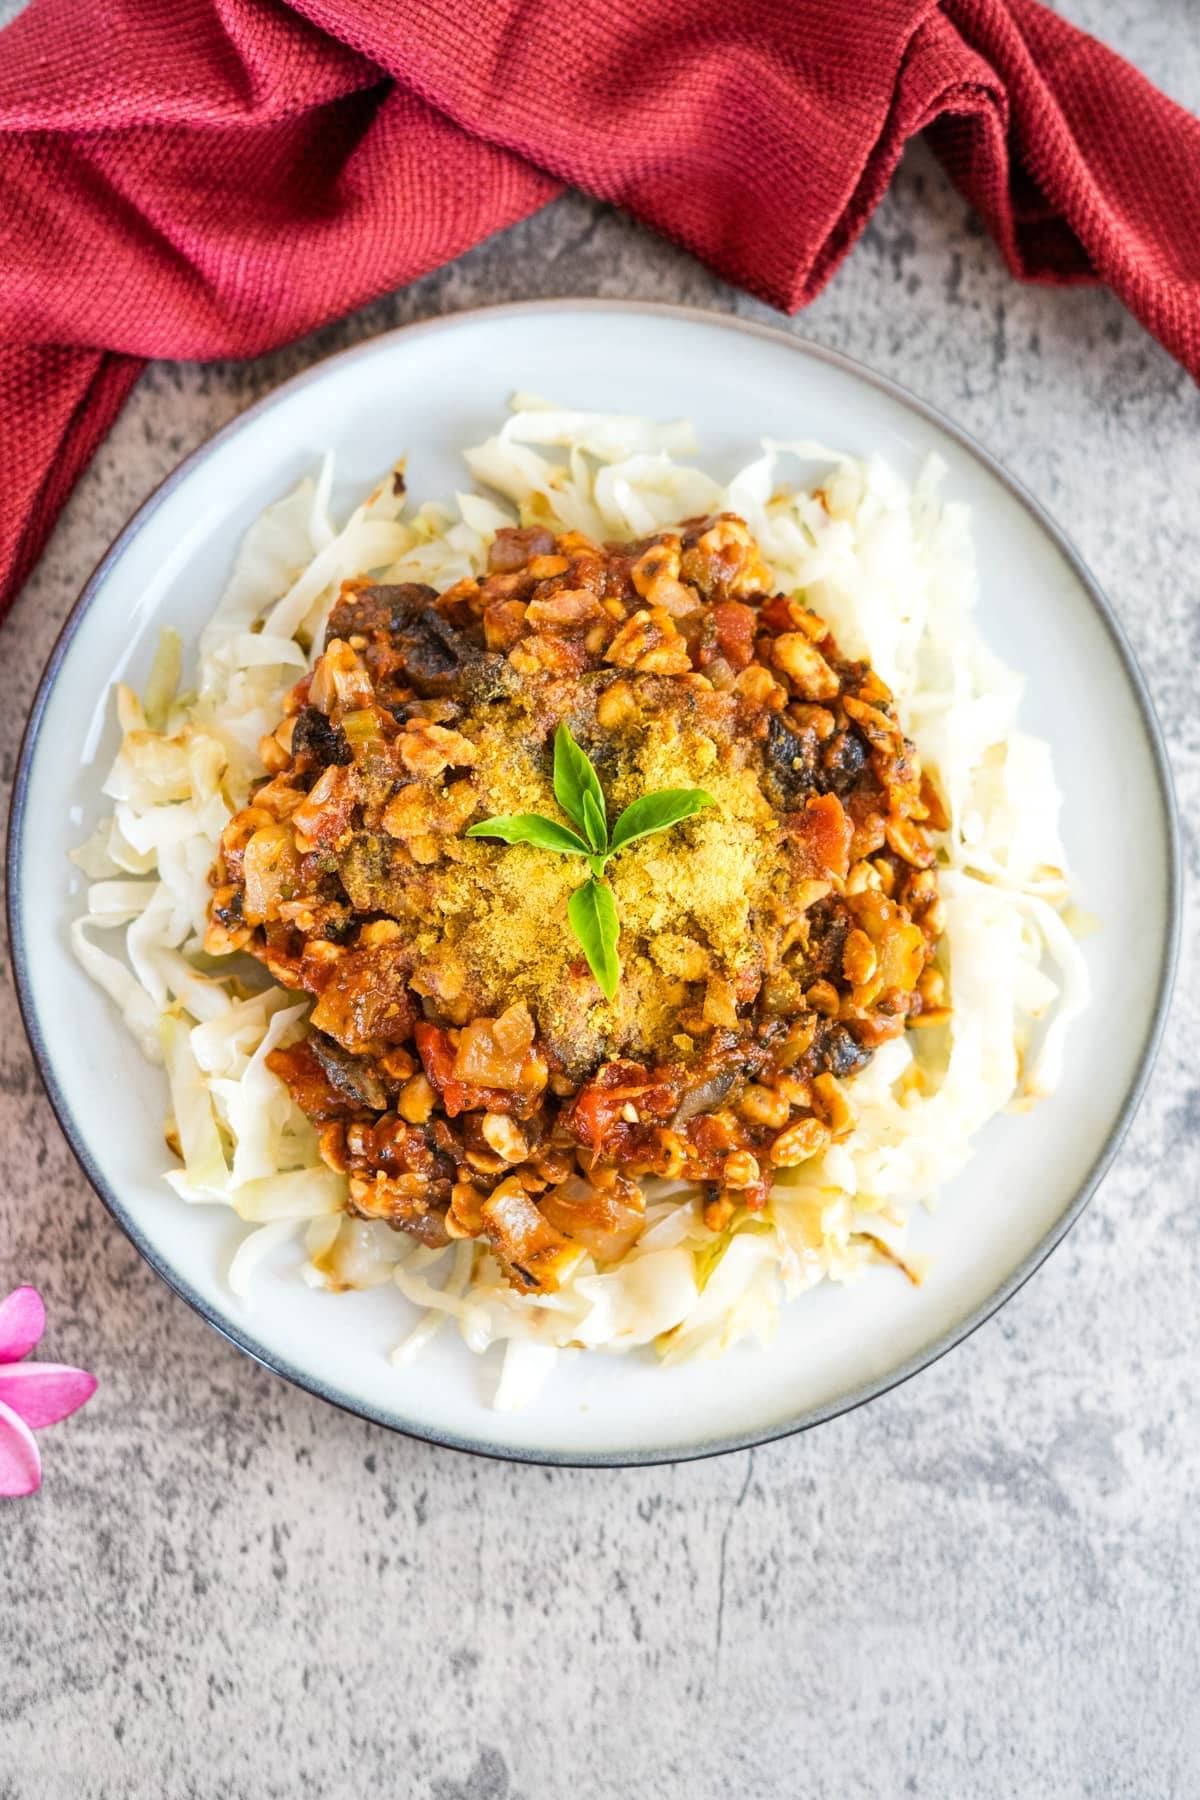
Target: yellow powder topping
489,920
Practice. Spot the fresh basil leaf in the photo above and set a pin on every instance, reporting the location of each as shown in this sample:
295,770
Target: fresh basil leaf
654,812
574,777
592,912
531,828
595,824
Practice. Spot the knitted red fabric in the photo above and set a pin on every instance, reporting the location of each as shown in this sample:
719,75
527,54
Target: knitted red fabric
197,178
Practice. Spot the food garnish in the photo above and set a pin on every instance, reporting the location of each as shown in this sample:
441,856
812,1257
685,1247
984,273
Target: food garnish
591,910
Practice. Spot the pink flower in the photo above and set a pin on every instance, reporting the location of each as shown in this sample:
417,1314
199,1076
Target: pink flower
31,1394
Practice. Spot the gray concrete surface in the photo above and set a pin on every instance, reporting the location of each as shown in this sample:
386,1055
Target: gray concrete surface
982,1585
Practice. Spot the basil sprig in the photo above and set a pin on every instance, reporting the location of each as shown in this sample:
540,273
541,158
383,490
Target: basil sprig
592,912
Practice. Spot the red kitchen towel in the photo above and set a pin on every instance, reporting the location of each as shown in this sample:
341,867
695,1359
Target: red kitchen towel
198,178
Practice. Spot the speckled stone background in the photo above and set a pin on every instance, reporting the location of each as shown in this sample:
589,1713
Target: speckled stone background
985,1584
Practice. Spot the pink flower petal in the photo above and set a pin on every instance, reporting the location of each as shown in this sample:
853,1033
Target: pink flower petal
22,1322
20,1464
44,1393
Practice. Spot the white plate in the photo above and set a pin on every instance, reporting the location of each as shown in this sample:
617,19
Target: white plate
430,389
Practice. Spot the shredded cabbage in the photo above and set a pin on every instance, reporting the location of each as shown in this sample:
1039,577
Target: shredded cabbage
891,569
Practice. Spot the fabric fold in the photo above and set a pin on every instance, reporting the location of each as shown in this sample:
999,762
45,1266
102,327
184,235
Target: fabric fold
215,177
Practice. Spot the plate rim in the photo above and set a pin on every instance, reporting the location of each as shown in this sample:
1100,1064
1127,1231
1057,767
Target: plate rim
809,1417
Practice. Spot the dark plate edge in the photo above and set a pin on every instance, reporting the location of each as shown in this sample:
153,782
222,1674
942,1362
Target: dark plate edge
854,1398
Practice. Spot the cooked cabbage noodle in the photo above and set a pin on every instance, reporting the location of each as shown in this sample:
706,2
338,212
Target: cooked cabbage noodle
891,569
